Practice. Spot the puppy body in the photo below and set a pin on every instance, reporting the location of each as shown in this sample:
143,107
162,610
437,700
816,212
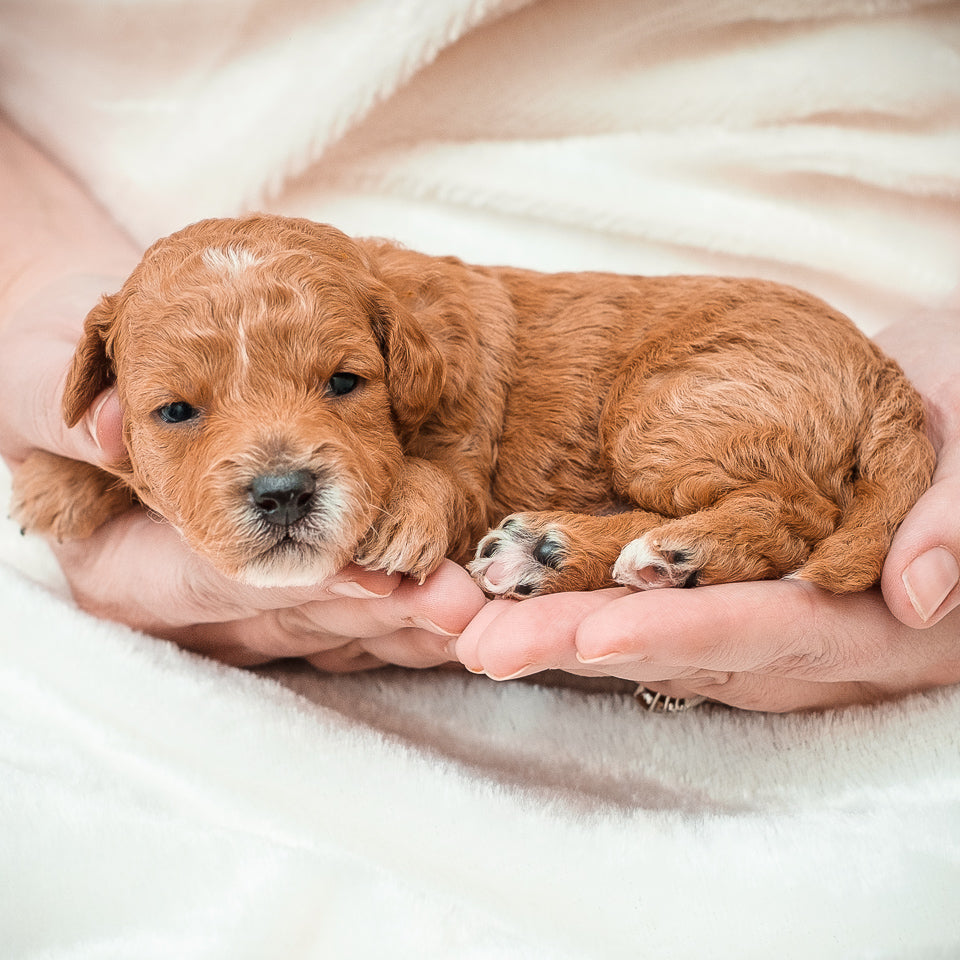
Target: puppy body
295,399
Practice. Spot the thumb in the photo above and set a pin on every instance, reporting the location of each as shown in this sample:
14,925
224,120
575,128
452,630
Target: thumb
37,346
98,437
922,571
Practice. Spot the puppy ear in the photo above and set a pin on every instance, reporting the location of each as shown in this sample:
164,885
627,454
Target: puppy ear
416,371
92,370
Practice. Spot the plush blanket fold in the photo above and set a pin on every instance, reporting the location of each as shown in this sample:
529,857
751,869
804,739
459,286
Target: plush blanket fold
156,805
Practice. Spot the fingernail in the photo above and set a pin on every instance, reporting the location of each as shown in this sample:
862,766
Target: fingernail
94,419
516,675
352,589
425,624
929,579
606,658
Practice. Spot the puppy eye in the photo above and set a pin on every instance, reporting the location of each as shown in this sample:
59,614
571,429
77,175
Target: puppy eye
177,412
342,383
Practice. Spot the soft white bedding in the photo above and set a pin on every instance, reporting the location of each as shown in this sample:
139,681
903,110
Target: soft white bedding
156,805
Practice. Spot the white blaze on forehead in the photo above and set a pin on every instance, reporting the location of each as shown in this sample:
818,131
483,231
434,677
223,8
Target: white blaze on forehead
242,346
230,261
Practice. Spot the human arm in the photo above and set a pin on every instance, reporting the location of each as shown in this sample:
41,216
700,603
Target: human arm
58,252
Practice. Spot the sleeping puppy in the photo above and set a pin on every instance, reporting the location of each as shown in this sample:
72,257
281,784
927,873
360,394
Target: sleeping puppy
294,399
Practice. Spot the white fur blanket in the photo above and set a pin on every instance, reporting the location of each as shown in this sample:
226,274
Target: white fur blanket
156,805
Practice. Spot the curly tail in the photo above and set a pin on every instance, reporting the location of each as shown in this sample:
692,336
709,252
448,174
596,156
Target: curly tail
895,462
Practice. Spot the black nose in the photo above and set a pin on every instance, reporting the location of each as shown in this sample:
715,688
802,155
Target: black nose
283,498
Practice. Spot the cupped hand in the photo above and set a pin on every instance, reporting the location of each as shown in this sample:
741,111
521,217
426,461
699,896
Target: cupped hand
769,645
775,645
138,571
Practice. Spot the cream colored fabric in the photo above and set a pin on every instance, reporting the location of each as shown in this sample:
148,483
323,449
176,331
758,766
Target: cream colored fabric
154,805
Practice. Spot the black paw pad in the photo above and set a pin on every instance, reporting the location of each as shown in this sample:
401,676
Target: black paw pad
489,549
549,553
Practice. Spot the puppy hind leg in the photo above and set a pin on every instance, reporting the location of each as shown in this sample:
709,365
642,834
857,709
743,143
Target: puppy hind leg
896,463
749,535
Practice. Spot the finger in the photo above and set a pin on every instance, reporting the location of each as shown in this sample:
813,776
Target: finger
104,422
411,626
206,595
921,576
443,604
38,350
97,438
782,629
410,647
432,614
268,636
510,639
474,634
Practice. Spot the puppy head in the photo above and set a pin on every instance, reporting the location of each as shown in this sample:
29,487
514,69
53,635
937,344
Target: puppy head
267,379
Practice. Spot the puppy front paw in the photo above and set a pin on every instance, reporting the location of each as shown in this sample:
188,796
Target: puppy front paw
67,499
520,558
409,545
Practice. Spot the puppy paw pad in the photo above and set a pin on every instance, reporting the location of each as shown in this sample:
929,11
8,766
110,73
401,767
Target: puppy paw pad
648,564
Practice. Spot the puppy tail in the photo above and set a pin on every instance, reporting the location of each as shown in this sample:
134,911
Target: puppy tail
894,466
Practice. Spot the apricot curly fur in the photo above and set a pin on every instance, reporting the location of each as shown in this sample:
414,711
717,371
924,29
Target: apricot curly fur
742,428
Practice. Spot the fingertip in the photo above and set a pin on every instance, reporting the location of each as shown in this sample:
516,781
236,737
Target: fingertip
444,603
920,580
926,590
467,647
511,638
612,633
451,578
103,423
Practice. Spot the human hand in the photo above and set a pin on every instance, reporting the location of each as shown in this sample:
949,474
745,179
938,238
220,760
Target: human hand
781,645
138,571
922,572
769,645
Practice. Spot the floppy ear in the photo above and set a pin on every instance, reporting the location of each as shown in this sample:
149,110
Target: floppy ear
416,371
91,370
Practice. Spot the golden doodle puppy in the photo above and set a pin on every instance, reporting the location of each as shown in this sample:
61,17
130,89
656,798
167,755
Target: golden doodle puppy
295,399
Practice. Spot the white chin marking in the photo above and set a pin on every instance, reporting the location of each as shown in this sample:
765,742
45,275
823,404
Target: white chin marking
292,567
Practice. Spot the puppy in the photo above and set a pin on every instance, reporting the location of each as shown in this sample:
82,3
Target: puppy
294,399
